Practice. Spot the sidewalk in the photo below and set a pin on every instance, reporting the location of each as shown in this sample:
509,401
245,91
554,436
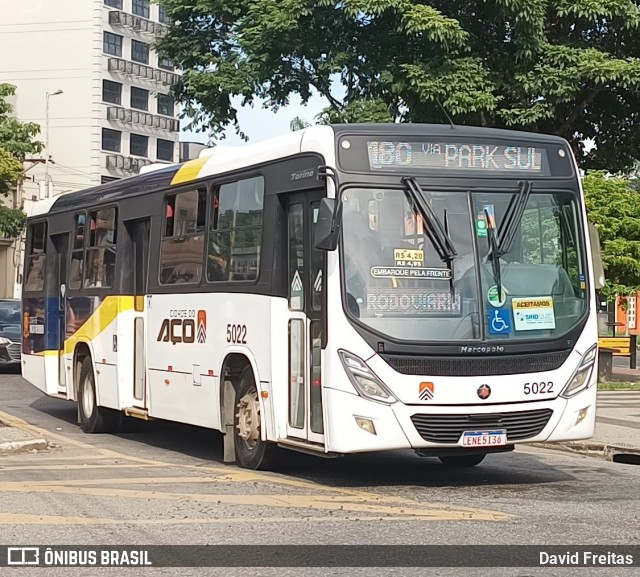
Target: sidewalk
15,440
617,435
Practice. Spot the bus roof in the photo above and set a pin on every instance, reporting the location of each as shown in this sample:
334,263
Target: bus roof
228,158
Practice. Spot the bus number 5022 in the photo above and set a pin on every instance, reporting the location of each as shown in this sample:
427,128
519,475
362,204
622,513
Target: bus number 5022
237,334
538,388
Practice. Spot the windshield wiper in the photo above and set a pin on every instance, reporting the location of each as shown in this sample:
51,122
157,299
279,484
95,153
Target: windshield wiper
500,244
436,232
512,218
493,251
450,263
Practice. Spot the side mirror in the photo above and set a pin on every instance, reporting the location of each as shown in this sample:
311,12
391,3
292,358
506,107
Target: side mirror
327,228
596,257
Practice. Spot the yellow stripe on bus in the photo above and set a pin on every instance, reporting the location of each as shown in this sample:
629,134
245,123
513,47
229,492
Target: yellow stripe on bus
189,171
101,318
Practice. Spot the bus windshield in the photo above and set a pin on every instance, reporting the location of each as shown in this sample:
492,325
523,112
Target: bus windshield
399,283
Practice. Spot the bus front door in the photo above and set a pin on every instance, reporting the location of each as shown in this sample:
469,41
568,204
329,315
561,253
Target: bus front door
306,275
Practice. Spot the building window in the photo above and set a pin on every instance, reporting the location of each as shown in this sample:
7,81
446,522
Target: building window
165,150
37,244
140,8
112,44
162,16
165,105
139,98
111,139
235,234
111,92
139,145
101,251
139,52
166,64
183,237
113,3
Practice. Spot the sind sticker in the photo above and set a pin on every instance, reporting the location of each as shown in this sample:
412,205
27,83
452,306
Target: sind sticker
533,314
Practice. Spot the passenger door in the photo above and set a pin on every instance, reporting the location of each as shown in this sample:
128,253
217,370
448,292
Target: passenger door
61,246
306,276
139,231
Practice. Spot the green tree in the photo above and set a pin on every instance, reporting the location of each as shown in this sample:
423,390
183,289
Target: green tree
16,140
298,123
614,206
568,67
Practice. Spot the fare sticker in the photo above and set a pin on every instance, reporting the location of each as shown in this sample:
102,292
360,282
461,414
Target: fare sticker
408,257
533,314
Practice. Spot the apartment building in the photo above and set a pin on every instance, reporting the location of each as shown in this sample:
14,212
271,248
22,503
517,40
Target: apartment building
85,71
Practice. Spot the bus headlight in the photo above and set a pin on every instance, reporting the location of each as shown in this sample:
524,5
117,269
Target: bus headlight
364,379
580,379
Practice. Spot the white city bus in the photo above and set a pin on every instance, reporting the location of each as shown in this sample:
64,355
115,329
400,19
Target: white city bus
335,290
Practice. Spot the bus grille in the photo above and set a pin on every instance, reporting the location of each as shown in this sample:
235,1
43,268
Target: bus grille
448,428
14,351
476,366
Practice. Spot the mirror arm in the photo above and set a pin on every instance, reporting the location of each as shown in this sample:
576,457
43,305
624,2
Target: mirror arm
323,173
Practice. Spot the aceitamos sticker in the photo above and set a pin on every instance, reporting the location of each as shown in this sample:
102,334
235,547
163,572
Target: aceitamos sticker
533,314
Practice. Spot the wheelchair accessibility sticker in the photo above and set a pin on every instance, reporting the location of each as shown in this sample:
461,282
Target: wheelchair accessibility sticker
499,322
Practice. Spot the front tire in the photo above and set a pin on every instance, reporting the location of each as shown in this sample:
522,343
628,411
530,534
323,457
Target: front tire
94,419
462,460
251,451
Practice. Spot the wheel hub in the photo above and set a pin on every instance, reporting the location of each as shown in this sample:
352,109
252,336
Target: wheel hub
249,418
87,399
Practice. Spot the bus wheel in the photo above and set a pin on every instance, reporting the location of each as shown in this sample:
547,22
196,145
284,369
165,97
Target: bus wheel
251,451
462,460
94,419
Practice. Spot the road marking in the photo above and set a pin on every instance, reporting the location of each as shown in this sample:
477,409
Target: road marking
343,499
78,467
345,504
30,519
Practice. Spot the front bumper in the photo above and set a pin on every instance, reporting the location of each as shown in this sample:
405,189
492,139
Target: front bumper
401,426
10,354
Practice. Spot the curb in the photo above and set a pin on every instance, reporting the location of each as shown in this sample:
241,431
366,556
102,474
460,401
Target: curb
600,450
30,444
14,447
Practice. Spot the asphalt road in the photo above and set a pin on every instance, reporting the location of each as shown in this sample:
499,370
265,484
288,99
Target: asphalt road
165,483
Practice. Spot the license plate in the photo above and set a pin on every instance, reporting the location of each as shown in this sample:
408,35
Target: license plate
483,438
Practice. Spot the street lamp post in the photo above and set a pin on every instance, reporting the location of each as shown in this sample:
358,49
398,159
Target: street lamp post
46,142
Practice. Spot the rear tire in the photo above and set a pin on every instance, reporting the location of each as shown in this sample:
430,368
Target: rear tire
251,451
94,419
462,460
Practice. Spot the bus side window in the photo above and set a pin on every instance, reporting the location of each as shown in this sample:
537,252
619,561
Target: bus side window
101,252
183,239
235,235
36,257
77,252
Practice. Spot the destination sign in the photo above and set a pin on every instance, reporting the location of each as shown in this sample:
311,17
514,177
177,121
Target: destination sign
495,158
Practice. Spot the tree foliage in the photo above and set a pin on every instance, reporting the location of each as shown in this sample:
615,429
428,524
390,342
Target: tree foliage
298,123
613,205
17,138
16,141
568,67
12,221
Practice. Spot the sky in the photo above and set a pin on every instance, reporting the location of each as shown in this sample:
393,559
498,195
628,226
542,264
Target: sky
259,124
